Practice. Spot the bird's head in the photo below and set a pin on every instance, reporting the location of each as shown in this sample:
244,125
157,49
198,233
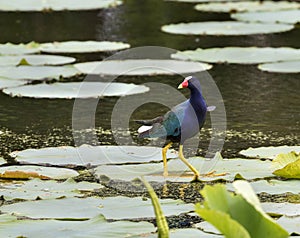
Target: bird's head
189,82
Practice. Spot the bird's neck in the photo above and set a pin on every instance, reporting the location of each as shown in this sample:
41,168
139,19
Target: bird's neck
197,100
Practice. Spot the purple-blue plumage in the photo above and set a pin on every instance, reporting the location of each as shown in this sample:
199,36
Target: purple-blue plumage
183,121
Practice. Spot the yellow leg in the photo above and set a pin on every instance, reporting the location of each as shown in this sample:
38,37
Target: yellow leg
164,155
191,167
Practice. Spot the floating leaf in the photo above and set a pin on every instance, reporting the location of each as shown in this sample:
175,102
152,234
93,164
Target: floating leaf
141,67
268,152
25,172
207,227
273,186
33,189
76,90
239,55
37,72
247,6
203,1
291,224
2,161
281,67
237,215
248,169
18,49
90,155
86,208
288,165
279,209
95,227
56,5
82,46
289,17
7,83
225,28
35,60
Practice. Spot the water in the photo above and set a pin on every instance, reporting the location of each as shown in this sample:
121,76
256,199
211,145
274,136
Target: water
262,108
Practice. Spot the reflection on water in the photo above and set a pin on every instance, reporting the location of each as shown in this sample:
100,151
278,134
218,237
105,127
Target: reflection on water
262,104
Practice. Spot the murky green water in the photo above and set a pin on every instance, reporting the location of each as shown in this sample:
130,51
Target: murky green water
262,108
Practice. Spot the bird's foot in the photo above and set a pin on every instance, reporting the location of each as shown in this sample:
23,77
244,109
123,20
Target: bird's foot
213,174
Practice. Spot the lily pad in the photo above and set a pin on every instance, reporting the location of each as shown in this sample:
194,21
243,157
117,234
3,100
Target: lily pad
56,5
281,67
37,72
82,46
207,227
76,90
225,28
288,165
239,55
273,186
203,1
291,224
86,208
35,60
25,172
7,83
288,16
36,188
19,49
247,6
2,161
187,233
279,209
90,155
141,67
95,227
269,152
248,169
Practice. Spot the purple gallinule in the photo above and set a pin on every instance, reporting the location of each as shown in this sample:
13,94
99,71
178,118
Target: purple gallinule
180,123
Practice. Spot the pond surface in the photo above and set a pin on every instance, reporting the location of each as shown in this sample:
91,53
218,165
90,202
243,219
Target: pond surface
262,108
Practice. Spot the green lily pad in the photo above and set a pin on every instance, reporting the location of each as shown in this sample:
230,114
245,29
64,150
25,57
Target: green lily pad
187,233
281,67
2,161
7,83
19,49
288,165
268,152
35,60
25,172
291,224
37,72
36,188
225,28
76,90
56,5
273,186
86,208
288,16
95,227
247,6
141,67
203,1
82,46
90,155
248,169
279,209
239,55
207,227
